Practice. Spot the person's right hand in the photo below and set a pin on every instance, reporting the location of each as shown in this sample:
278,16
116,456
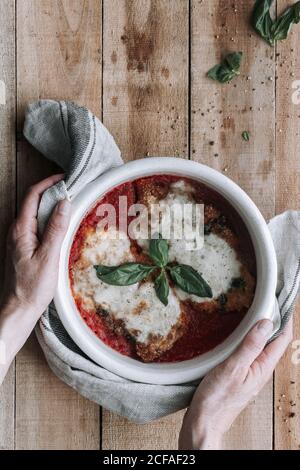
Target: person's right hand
228,388
31,269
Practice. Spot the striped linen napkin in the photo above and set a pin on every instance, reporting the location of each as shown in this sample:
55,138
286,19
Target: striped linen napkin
75,139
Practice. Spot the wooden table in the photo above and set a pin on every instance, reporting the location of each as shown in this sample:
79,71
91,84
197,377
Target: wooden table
141,66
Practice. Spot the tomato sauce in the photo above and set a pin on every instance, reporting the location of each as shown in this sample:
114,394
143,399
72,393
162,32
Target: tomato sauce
205,330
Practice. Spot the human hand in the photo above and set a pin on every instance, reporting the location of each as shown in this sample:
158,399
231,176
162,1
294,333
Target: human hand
227,389
31,266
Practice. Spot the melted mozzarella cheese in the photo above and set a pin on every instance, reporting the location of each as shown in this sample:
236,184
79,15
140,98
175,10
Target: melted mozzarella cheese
137,306
108,247
215,260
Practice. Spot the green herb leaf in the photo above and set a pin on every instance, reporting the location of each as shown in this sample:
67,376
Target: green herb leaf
207,228
161,286
222,299
159,251
102,269
274,30
238,283
228,69
124,275
190,281
282,25
246,135
262,21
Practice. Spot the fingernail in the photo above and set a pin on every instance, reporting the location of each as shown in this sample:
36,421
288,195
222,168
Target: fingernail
265,327
63,207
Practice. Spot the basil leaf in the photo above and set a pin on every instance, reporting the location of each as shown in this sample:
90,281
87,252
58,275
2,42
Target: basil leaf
246,136
190,281
161,286
274,30
124,275
228,69
262,21
282,25
102,269
234,60
159,251
238,283
222,299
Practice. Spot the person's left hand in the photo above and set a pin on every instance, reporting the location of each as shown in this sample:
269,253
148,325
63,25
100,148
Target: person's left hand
31,266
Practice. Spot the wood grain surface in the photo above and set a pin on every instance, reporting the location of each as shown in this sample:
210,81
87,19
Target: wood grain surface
59,57
7,186
287,374
141,65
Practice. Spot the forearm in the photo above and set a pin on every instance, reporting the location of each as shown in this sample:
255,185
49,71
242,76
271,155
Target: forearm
197,434
16,325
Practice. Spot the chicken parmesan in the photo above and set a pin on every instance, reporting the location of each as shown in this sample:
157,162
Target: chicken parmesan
162,301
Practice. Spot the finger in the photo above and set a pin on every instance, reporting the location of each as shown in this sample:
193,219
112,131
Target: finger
55,230
271,355
253,344
29,207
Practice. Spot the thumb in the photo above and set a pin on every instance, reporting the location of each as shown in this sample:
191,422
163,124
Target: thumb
253,344
56,228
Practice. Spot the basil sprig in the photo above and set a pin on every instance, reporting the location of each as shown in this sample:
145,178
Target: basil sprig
228,69
274,30
184,276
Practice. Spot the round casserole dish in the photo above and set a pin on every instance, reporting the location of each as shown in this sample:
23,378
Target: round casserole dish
263,306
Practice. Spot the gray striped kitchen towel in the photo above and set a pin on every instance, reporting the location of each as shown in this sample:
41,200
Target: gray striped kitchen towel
75,139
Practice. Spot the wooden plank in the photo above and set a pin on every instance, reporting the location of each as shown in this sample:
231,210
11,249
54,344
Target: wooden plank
220,113
119,433
59,57
287,428
145,76
145,104
7,186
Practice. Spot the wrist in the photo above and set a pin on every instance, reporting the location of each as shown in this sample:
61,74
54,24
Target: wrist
199,433
17,320
15,307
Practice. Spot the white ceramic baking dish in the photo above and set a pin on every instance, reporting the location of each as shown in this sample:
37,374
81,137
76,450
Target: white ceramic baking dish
264,304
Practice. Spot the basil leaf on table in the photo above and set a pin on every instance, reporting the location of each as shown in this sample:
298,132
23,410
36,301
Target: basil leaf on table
190,281
228,69
161,286
283,24
246,136
274,30
124,275
159,251
261,19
